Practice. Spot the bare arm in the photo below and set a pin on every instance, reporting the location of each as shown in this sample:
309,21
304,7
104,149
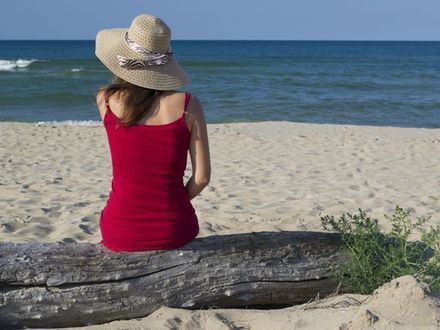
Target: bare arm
101,103
198,149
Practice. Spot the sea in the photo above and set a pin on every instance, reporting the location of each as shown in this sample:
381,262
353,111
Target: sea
379,83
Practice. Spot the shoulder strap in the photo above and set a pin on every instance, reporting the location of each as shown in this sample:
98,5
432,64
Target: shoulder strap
187,97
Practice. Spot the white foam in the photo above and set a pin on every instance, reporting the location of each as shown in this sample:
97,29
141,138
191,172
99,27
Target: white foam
76,69
9,65
70,122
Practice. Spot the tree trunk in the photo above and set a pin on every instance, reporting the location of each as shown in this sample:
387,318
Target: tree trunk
62,285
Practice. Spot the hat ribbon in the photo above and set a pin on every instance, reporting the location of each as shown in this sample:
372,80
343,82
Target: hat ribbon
148,57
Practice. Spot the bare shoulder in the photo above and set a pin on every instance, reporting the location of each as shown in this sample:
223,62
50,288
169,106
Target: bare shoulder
196,116
173,99
195,108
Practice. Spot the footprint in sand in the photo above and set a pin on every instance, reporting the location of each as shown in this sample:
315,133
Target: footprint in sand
69,207
354,187
176,322
50,209
21,219
68,240
89,218
7,227
39,227
81,204
86,229
214,227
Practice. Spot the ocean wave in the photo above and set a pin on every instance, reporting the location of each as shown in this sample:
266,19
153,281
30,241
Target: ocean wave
69,122
76,69
9,65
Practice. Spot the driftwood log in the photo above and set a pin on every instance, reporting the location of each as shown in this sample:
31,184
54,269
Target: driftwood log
62,285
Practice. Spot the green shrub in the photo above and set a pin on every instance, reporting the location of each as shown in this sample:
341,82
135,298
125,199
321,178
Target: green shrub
375,258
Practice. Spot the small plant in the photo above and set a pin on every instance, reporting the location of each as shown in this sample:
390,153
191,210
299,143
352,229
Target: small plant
375,258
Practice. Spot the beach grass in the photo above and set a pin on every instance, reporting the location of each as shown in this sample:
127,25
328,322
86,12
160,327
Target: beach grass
376,257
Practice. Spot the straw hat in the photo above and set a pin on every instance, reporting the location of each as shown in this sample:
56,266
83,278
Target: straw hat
141,54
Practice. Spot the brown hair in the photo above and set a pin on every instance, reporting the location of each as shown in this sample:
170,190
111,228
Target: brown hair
136,100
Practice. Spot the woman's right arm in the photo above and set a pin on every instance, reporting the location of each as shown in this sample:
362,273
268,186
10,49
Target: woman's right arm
198,149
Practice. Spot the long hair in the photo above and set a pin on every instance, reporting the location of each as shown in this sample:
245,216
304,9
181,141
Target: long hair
136,100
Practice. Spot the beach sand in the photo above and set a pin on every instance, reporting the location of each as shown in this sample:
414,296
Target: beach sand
267,176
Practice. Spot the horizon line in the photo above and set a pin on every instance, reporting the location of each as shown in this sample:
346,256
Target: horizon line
320,40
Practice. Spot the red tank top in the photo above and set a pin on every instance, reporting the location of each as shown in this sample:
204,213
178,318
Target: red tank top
148,207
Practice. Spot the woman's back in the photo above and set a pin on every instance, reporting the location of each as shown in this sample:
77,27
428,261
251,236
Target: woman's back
149,135
148,206
164,109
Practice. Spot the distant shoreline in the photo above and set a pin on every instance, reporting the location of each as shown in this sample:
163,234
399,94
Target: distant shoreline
95,123
240,40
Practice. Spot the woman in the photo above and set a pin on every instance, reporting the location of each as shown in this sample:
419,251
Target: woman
150,128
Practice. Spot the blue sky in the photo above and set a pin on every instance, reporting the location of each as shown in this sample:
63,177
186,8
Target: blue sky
228,19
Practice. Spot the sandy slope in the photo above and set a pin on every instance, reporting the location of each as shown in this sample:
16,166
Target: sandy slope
403,303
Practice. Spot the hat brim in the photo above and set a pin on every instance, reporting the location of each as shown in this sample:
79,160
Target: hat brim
110,43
